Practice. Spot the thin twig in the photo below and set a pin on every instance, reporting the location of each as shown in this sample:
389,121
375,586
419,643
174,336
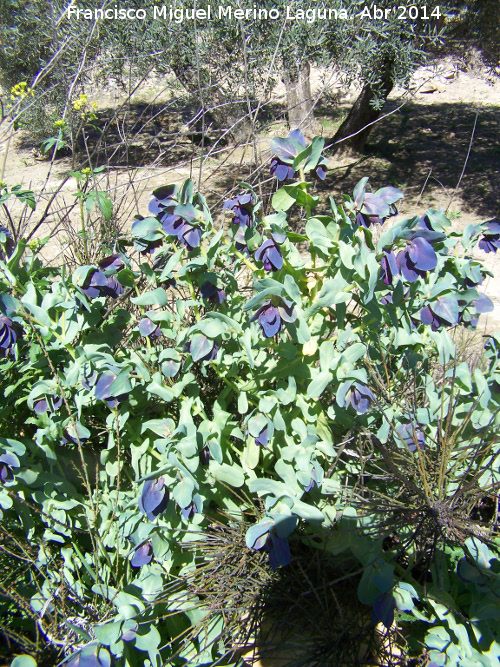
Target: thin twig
465,163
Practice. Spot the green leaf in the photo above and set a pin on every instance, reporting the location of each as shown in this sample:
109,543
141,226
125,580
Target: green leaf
149,229
246,341
292,289
262,296
148,641
211,327
301,158
286,148
126,277
224,318
268,486
330,485
314,157
317,234
39,314
121,384
183,492
187,212
200,346
251,454
13,262
23,661
109,633
160,390
229,474
283,200
105,205
187,191
307,512
256,424
319,384
155,297
84,562
404,594
377,578
257,530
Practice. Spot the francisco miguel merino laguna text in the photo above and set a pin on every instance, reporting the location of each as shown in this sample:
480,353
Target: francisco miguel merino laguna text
181,14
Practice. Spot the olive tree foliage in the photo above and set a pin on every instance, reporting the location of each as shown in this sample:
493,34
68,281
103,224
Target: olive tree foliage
475,24
49,53
230,65
387,49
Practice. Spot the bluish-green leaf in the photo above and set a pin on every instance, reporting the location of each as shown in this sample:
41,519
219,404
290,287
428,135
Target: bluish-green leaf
229,474
155,297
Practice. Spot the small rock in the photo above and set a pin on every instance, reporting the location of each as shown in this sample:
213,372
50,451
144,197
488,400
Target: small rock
428,88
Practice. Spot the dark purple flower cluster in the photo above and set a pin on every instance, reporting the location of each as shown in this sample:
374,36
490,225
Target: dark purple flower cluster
286,151
154,498
412,435
98,284
383,610
103,386
143,555
148,328
177,220
272,314
313,481
47,404
7,463
185,232
360,397
491,236
373,208
483,304
277,548
389,267
428,317
95,281
270,254
8,336
242,208
201,348
416,259
263,438
146,243
112,263
444,311
281,170
188,512
8,245
211,292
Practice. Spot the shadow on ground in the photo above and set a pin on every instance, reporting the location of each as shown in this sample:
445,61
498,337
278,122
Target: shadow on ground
430,142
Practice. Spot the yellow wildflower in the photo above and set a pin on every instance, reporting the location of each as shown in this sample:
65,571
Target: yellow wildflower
80,103
20,91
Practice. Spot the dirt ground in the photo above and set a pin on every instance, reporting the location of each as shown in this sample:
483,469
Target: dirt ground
421,145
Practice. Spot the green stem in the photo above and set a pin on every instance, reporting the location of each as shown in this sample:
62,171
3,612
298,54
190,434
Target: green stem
241,256
84,233
193,296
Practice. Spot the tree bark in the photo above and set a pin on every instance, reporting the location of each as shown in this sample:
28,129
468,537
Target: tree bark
298,97
360,117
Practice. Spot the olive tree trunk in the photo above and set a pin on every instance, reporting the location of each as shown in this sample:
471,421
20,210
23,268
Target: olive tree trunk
356,128
299,100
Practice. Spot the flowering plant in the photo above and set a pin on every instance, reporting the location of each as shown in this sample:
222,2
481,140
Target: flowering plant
224,378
